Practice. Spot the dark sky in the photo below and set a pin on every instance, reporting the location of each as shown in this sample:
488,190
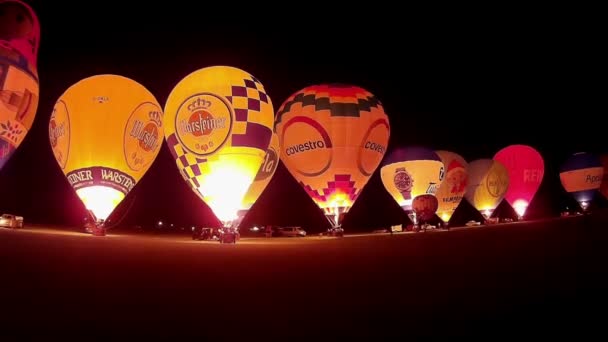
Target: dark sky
467,80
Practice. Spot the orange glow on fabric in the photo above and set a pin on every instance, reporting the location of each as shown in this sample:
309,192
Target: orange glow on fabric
105,132
219,123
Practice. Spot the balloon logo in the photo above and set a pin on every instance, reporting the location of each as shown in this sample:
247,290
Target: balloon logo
488,184
581,176
264,175
218,126
409,173
19,41
454,185
333,138
105,131
604,185
526,168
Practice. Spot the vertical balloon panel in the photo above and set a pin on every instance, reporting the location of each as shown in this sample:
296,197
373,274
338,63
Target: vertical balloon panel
454,184
581,176
332,137
105,131
488,183
526,168
19,41
219,124
264,175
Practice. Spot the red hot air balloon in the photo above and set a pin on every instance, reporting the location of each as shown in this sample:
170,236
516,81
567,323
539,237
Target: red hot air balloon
526,168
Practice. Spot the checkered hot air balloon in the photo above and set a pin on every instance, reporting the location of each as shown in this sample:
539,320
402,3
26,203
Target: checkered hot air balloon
19,40
218,126
332,138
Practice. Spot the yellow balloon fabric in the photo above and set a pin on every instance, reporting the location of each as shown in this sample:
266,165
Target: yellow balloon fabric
265,173
105,131
332,138
218,126
19,40
411,172
454,184
487,186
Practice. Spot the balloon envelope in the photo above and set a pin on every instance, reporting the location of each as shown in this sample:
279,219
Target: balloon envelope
411,172
332,139
454,184
488,183
265,173
526,168
425,206
604,185
581,176
218,126
19,40
105,131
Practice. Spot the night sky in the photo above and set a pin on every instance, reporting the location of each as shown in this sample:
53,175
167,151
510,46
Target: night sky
470,83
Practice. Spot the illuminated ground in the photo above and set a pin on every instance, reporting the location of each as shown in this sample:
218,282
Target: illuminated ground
524,278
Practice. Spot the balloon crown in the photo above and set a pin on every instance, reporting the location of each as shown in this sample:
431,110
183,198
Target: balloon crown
199,104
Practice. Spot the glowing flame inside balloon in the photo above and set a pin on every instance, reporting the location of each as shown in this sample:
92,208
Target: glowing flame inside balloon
101,200
224,187
520,207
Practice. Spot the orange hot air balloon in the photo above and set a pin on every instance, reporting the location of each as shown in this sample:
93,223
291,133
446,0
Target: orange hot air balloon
332,137
219,124
105,132
454,184
19,41
488,183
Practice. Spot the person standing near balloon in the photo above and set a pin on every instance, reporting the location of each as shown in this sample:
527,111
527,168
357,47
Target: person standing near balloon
19,41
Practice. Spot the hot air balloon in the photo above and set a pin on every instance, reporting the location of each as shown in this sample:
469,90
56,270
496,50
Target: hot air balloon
105,131
604,185
19,41
454,184
526,168
218,126
581,176
263,177
332,139
488,183
411,172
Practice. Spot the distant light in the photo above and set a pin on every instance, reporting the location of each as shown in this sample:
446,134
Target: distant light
160,223
171,225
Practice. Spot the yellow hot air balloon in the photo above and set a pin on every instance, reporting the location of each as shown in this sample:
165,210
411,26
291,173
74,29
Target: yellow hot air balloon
218,126
264,175
105,132
487,186
332,139
454,184
19,41
411,172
